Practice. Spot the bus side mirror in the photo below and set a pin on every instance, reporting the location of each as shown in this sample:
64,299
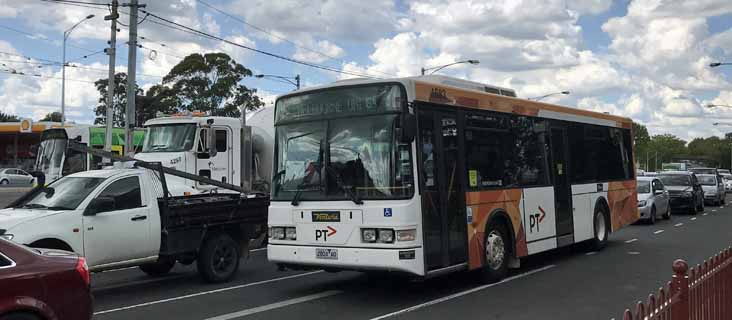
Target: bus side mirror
408,128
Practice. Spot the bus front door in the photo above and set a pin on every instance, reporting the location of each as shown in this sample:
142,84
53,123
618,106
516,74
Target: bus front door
443,197
562,186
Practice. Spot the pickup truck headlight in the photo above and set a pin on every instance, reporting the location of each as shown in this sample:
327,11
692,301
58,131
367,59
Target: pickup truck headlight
642,203
7,236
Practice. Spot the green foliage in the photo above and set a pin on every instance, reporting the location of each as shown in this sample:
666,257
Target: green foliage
210,83
5,117
119,102
53,116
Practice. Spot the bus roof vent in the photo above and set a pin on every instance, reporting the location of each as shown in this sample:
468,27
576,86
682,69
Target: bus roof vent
470,85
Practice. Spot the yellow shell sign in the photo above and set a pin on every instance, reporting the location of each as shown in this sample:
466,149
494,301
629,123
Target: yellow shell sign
26,125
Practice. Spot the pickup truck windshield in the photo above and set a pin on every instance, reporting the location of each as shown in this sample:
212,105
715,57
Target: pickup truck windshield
63,194
170,138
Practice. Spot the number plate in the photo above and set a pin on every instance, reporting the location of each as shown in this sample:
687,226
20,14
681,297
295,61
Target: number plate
326,216
330,254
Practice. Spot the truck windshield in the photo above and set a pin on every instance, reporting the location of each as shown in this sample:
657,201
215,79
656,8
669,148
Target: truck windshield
325,155
63,194
169,137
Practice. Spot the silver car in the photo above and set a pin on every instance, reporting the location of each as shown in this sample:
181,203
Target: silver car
15,176
653,199
714,190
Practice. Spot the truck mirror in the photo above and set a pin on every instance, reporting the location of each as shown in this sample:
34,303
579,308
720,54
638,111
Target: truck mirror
101,204
408,128
211,142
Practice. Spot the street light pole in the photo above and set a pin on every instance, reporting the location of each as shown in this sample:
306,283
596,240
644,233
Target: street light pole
295,83
717,64
549,95
438,68
67,33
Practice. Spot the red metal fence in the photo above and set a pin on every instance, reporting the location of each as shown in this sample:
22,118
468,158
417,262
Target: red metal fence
702,293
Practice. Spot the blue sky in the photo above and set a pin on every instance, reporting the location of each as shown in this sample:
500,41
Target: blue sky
643,59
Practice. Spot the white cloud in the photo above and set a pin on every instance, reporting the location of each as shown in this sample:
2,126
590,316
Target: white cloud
317,51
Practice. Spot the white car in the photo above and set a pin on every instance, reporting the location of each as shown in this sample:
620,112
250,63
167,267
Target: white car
653,199
15,176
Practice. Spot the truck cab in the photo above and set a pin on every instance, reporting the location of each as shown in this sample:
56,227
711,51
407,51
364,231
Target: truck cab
90,213
211,147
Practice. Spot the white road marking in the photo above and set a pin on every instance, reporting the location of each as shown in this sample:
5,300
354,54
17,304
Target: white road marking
275,305
207,292
704,214
692,219
137,283
679,224
634,253
658,231
590,253
259,249
631,240
460,294
714,210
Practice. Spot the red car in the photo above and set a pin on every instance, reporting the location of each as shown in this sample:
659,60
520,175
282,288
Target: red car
41,284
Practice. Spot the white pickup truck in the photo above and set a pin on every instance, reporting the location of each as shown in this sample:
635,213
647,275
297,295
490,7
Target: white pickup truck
124,217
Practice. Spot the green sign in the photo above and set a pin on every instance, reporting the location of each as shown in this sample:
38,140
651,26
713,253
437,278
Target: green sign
339,101
96,136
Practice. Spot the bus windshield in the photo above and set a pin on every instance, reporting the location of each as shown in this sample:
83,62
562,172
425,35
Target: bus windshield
50,157
335,159
170,137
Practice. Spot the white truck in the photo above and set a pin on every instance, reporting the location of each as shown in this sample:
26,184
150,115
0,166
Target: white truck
186,199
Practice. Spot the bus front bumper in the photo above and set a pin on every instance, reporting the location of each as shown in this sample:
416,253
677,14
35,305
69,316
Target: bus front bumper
409,260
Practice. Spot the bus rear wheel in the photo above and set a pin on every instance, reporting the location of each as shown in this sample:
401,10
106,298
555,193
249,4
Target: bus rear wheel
496,253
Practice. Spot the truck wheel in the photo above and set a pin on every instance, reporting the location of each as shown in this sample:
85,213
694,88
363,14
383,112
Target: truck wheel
158,268
218,260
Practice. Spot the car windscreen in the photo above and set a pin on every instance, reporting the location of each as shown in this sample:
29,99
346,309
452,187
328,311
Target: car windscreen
644,187
707,180
675,179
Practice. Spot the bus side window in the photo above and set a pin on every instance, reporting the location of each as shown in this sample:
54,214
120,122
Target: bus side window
426,137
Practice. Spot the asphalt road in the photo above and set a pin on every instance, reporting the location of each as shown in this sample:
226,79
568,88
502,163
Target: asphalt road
569,283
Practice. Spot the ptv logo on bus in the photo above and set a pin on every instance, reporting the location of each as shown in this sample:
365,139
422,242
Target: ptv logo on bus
535,219
323,234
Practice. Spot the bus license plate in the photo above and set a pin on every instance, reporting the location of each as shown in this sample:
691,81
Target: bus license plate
329,254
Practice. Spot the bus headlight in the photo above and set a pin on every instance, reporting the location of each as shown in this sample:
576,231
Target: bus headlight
406,235
291,233
368,235
386,235
278,233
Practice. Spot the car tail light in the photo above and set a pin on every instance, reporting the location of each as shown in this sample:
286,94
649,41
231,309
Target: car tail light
83,270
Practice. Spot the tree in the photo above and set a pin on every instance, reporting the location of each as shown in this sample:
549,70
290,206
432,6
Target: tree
642,139
210,83
53,116
6,117
158,98
666,147
119,102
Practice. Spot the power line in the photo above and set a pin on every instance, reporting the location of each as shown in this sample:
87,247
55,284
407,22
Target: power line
41,76
207,35
41,37
58,64
77,2
271,34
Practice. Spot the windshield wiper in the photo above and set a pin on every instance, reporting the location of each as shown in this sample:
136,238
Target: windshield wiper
33,206
339,182
59,208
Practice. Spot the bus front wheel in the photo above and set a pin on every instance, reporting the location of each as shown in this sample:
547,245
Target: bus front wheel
496,253
600,228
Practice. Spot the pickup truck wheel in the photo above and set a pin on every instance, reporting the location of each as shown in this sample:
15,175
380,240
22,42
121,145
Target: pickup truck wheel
158,268
219,258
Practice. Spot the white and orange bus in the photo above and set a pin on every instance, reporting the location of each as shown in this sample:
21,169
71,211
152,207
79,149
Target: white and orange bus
427,175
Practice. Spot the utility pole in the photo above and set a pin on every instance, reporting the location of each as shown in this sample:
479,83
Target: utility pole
647,168
111,51
131,70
